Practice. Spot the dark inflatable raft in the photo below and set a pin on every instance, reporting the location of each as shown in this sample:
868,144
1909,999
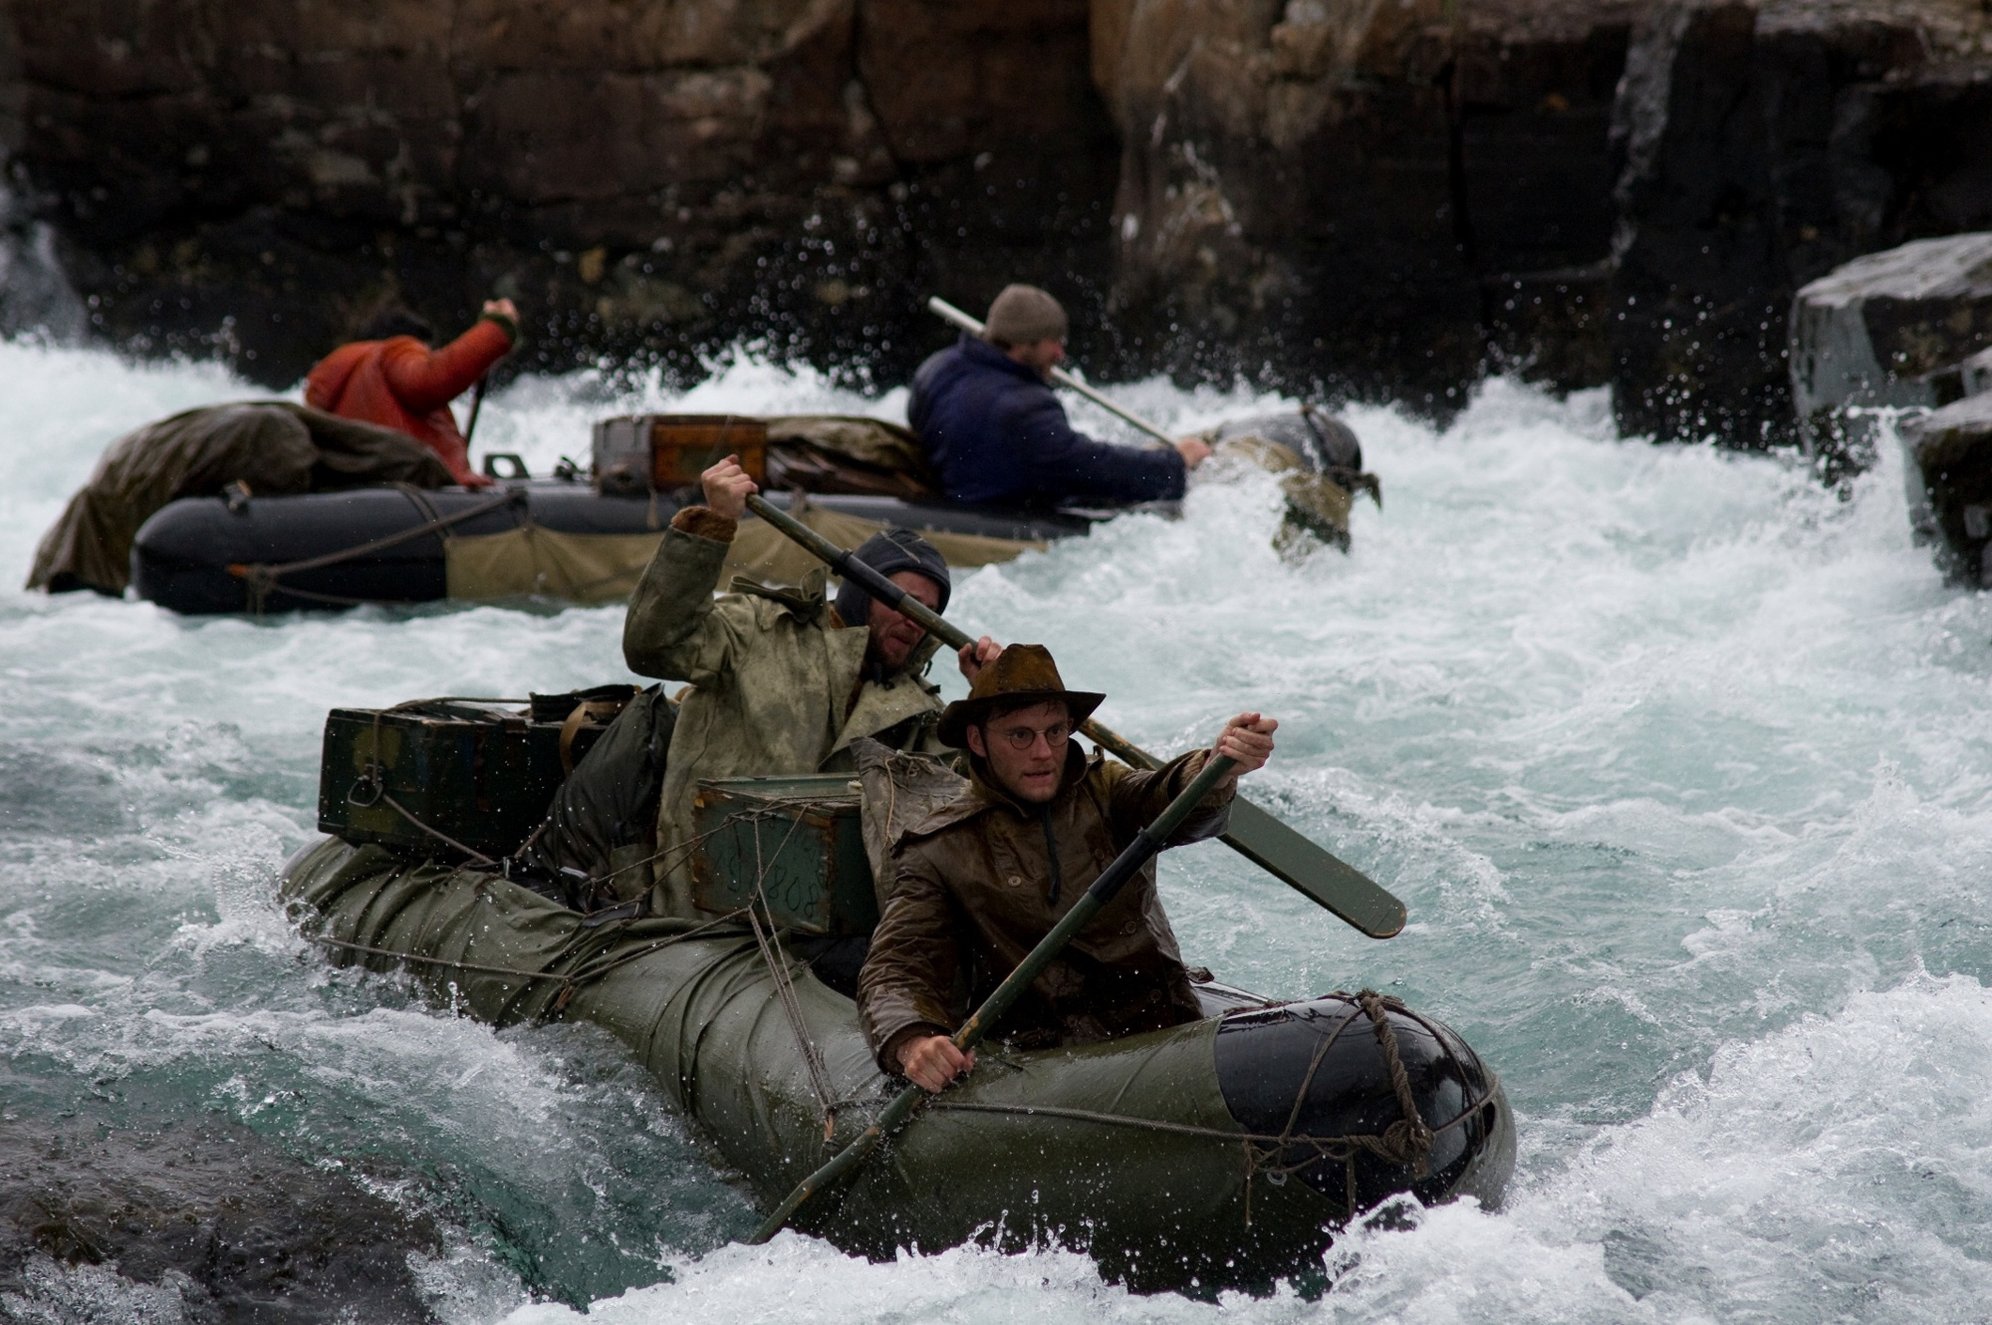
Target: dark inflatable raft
1225,1152
585,537
551,538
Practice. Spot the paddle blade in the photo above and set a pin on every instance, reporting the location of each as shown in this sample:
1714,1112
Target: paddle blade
1306,868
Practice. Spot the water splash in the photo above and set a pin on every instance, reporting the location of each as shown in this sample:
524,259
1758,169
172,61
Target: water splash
1682,763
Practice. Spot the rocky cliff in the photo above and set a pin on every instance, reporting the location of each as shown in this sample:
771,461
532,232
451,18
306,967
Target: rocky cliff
1379,198
640,175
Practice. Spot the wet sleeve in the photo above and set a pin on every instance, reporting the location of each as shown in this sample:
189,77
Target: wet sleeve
1064,463
423,379
905,985
675,629
1135,796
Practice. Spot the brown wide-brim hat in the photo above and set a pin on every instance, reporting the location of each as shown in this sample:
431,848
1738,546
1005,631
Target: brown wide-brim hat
1022,674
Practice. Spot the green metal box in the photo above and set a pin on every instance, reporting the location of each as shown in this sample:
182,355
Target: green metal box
481,775
800,838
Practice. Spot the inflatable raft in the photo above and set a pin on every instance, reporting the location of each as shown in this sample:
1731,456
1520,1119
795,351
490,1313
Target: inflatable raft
537,538
1225,1152
585,536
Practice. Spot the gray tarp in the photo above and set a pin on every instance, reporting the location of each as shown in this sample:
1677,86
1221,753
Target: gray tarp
272,446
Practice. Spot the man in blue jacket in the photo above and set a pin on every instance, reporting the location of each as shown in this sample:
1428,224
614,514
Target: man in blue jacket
993,429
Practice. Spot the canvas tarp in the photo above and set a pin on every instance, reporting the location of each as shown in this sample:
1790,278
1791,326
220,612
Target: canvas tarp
533,560
272,447
849,453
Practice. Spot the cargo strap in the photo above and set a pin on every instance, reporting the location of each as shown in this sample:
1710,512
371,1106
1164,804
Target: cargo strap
587,713
261,579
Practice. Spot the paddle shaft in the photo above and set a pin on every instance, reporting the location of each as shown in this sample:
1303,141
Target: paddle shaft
1262,839
476,404
1058,375
1124,867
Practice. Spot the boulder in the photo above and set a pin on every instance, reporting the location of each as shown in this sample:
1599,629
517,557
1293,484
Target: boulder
1949,474
1890,328
640,177
1363,191
1762,145
1967,377
217,1220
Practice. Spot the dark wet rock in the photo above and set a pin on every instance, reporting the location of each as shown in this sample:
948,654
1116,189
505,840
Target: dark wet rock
660,178
225,1226
1949,473
1362,189
1891,328
1967,377
1763,145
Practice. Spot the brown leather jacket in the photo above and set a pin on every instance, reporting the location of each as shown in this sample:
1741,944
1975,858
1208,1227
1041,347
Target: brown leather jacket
974,894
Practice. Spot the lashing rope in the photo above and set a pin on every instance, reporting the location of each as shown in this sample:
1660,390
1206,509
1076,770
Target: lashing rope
569,982
812,1055
760,920
1407,1142
260,579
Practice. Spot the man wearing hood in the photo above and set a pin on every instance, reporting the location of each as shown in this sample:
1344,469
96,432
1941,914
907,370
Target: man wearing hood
783,681
996,433
982,879
392,378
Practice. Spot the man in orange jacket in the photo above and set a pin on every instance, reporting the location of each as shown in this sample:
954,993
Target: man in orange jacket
392,378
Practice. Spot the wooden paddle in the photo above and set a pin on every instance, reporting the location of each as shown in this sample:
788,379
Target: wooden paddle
1254,834
1124,867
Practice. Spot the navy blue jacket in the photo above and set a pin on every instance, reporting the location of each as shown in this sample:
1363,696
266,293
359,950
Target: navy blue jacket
996,434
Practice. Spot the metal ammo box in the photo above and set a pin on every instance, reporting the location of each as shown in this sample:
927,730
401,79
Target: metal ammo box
642,453
482,775
799,837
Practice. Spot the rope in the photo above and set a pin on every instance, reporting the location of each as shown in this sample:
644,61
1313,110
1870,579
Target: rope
437,833
261,579
943,1104
1409,1138
416,958
812,1055
583,974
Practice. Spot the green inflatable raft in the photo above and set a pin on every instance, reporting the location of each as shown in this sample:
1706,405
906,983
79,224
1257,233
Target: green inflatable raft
1226,1152
1222,1152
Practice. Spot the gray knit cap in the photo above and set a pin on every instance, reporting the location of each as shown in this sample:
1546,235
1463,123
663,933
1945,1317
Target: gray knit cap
1024,315
888,552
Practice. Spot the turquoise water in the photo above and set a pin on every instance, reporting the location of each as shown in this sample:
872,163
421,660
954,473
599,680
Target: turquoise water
1682,765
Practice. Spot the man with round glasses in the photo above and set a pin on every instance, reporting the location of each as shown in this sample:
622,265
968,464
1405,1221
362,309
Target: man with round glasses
983,878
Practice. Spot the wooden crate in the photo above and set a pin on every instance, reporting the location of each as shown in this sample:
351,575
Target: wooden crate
661,452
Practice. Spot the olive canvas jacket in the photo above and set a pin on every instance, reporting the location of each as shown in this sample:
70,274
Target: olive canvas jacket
778,684
973,895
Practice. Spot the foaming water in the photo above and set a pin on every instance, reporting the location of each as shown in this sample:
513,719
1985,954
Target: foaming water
1682,765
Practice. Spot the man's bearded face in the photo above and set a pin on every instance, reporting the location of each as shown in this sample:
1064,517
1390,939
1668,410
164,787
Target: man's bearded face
895,637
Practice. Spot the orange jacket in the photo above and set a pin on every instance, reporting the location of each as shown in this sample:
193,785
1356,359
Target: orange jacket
401,383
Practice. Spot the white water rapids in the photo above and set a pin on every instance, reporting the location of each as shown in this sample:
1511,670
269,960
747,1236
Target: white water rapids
1682,764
